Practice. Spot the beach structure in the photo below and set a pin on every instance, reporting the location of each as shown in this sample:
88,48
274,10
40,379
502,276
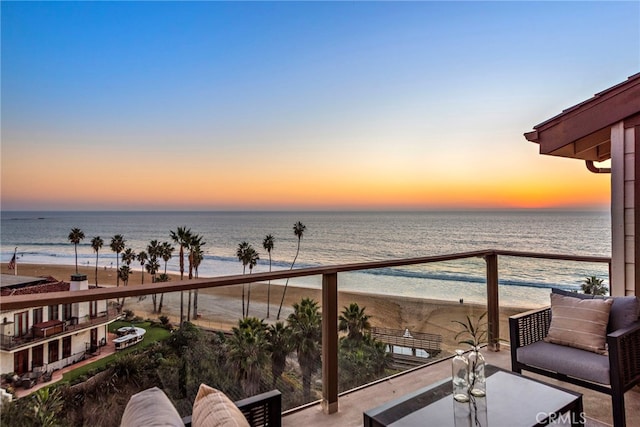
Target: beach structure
42,339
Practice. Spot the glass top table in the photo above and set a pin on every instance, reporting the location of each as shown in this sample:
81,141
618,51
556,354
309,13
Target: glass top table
512,400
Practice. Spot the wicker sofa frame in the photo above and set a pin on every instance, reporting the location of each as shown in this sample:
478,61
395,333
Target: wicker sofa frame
261,410
624,357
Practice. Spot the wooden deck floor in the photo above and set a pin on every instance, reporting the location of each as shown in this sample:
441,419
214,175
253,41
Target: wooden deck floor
351,406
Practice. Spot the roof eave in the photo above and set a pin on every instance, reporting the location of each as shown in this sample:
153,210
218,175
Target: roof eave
583,131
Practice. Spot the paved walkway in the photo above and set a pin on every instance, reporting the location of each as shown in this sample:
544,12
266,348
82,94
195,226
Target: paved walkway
105,351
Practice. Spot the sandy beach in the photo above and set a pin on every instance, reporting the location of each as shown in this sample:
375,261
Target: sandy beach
220,308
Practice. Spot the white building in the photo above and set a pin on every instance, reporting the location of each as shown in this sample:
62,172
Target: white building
47,338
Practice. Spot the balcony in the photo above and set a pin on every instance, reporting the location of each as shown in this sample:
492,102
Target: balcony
346,408
354,404
46,330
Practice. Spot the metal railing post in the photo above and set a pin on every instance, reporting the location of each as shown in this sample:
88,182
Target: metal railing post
330,343
493,309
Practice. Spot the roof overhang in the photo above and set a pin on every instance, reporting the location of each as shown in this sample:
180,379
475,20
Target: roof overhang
584,130
12,281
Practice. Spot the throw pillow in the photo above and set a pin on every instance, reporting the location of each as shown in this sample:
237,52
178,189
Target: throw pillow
624,311
150,407
580,323
212,408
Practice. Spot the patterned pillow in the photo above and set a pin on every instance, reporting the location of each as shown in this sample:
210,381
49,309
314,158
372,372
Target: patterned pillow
212,408
580,323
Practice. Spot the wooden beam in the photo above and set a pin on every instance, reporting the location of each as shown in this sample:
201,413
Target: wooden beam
636,212
330,343
493,307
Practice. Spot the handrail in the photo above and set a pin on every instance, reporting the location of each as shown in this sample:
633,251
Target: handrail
16,302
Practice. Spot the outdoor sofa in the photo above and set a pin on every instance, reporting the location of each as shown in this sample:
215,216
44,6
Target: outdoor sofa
211,408
611,366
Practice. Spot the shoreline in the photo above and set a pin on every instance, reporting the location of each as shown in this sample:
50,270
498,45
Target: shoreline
220,308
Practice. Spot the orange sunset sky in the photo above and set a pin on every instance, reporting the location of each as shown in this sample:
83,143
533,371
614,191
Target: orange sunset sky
215,105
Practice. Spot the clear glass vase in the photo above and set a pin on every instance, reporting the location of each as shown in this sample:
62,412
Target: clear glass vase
477,379
460,377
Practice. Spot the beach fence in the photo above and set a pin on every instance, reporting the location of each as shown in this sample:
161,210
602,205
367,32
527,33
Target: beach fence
408,349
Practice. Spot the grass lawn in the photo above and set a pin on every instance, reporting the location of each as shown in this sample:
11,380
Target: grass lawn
153,334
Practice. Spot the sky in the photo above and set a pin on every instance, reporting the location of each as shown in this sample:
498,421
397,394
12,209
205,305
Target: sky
301,105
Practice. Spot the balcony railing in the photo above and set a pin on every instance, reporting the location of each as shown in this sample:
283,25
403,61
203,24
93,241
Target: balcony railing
329,301
46,331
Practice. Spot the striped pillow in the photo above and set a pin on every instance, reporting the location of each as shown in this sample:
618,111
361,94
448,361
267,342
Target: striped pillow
212,408
579,323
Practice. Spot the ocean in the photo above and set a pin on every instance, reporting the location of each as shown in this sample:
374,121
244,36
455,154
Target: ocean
344,237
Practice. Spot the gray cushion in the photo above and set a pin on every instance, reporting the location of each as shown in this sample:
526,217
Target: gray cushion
150,407
624,311
566,360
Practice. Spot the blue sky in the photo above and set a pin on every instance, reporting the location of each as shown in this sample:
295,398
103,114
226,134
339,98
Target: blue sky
301,104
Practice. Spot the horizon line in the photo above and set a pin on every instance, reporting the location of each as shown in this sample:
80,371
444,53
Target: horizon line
329,210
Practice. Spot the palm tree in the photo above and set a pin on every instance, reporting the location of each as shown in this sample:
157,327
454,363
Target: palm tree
306,335
142,258
298,229
194,244
361,362
96,244
253,258
75,236
280,345
124,273
152,268
254,323
182,237
248,353
267,244
153,265
198,256
354,322
128,256
241,253
594,286
117,246
166,251
153,249
163,277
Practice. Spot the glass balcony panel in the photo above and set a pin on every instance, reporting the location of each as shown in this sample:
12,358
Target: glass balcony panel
412,312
